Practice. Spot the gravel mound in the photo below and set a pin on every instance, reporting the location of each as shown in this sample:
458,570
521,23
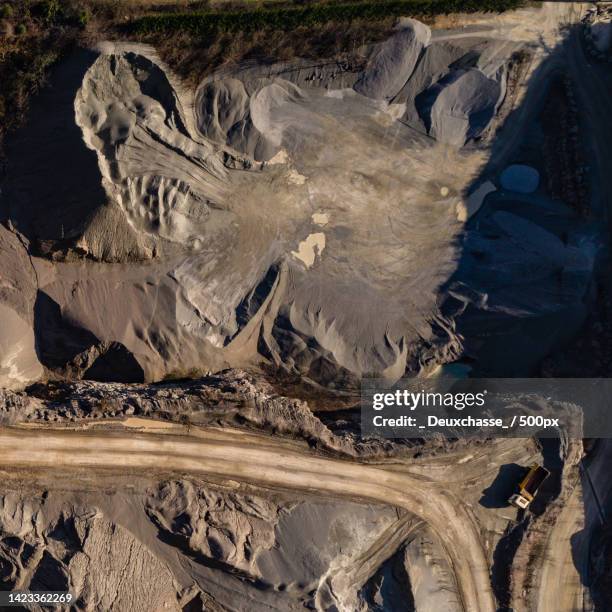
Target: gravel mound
460,106
393,61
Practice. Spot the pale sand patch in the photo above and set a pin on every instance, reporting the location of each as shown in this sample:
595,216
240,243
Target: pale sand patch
390,113
296,178
293,176
396,111
149,424
337,94
320,218
280,158
19,363
471,206
309,248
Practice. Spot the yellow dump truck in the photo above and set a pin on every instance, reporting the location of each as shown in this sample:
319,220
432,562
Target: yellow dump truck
529,486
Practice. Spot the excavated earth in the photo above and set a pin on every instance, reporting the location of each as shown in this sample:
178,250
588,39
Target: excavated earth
326,218
180,265
177,496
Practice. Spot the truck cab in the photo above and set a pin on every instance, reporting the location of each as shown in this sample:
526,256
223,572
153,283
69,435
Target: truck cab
529,486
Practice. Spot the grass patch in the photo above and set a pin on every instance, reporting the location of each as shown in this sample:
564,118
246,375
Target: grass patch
308,16
193,57
196,42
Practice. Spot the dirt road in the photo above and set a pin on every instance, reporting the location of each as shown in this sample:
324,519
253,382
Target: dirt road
560,585
239,456
564,579
566,561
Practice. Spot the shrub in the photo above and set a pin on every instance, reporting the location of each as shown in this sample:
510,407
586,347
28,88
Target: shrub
83,18
6,11
21,29
48,10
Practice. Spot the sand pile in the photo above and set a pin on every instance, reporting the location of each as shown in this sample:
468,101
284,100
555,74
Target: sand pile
19,363
447,89
226,113
456,88
181,544
310,214
417,575
224,116
460,106
132,118
393,61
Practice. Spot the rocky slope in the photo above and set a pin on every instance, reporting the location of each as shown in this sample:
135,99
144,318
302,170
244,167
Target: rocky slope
184,545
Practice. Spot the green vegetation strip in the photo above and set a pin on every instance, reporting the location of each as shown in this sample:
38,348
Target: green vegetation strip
289,18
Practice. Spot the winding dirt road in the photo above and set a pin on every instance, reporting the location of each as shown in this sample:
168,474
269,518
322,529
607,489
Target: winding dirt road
247,457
